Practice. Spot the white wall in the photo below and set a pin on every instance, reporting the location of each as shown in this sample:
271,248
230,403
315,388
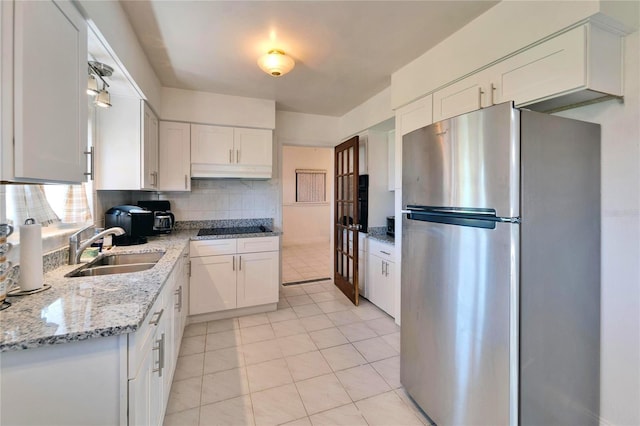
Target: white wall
211,108
293,128
366,115
620,309
305,222
113,25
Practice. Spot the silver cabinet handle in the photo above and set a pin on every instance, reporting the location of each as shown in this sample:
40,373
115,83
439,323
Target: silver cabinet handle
237,156
230,156
160,349
185,181
156,319
480,93
233,266
493,89
382,267
384,252
178,294
154,175
189,269
92,164
240,264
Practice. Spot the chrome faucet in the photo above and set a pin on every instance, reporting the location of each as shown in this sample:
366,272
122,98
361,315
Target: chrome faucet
76,247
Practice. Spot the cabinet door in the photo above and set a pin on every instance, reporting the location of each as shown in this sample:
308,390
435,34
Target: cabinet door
213,284
50,108
159,381
386,289
257,278
253,147
117,149
149,178
175,156
550,68
380,283
140,393
212,144
185,290
362,277
458,98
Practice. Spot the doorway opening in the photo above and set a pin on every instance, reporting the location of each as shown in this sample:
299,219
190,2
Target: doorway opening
307,179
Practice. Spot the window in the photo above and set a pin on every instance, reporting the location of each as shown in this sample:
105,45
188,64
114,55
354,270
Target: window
311,186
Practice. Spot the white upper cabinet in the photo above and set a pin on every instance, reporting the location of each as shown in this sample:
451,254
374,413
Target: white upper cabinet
44,117
464,96
229,152
175,158
149,177
253,147
580,65
126,146
212,144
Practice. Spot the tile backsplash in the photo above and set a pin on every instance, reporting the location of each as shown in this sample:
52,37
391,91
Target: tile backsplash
211,199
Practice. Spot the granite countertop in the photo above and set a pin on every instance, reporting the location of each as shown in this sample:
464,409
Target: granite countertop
380,234
88,307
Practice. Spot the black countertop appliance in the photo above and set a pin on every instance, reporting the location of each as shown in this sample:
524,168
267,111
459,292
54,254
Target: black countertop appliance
136,222
163,219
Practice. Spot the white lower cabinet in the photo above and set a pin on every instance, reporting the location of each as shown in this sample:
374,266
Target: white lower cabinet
114,380
257,273
381,276
153,351
233,273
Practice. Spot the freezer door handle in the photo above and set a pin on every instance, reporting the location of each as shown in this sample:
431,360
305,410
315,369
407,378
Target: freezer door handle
474,217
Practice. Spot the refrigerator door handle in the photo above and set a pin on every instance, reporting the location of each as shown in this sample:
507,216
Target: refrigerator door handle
477,218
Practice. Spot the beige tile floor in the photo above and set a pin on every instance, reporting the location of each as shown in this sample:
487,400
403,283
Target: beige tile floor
317,360
305,262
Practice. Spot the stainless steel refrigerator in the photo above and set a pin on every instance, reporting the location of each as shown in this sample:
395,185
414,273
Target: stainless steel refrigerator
501,269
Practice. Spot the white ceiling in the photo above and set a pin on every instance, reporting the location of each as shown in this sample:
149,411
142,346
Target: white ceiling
345,51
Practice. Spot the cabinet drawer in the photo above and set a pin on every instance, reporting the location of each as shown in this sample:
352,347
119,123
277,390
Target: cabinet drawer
254,245
140,342
382,250
213,247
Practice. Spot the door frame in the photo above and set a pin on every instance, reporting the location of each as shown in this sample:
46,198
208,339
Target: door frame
330,199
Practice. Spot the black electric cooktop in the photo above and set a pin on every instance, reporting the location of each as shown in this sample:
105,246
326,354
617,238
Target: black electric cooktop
235,230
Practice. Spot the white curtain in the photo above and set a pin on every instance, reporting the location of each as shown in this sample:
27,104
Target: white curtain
29,201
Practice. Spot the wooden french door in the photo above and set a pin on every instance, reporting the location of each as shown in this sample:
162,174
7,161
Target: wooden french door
346,219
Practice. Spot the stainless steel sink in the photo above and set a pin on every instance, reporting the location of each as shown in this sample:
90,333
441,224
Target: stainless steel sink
118,264
111,269
126,259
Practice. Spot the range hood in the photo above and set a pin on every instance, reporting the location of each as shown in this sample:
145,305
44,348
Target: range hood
207,170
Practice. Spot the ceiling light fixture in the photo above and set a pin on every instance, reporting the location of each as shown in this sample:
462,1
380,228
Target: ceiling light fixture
103,99
100,70
92,85
276,63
